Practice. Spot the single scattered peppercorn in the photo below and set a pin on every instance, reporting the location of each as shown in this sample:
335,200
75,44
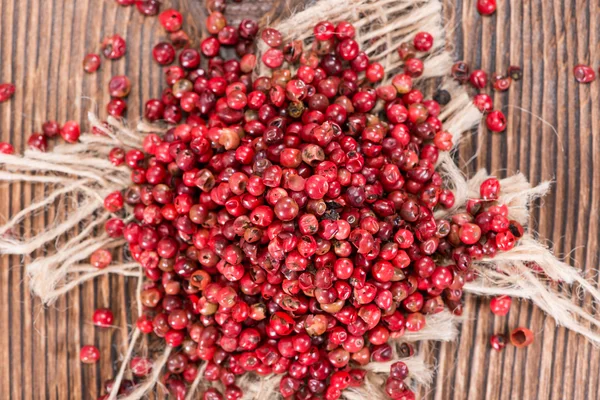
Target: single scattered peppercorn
515,73
584,73
521,337
148,7
171,20
483,102
501,83
460,72
51,129
37,141
498,342
101,258
486,7
116,107
89,354
91,63
70,131
103,317
423,41
7,90
119,86
113,47
496,121
478,79
500,305
6,148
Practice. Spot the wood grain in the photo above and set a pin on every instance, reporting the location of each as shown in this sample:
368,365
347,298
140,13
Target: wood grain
554,133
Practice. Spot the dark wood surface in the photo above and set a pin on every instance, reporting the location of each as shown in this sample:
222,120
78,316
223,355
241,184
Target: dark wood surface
554,133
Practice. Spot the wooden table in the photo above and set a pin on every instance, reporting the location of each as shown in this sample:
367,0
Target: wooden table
553,133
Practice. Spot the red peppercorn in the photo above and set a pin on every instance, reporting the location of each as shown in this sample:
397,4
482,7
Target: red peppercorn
583,74
103,317
423,41
37,141
163,53
316,187
505,241
101,258
324,30
460,72
91,63
501,83
215,22
375,72
50,129
286,209
148,7
6,148
490,189
272,37
282,323
248,28
344,30
210,47
113,202
413,67
7,90
397,389
113,47
498,342
521,337
228,36
116,107
70,131
273,58
483,102
144,324
500,305
486,7
515,73
189,58
415,322
171,20
406,50
116,156
496,121
140,366
89,354
478,79
114,227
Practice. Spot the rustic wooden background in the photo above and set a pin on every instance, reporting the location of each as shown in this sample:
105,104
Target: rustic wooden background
554,133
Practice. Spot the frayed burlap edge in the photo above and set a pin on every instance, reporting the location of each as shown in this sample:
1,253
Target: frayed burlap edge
82,173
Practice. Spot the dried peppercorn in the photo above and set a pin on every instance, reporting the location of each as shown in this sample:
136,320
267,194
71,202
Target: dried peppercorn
460,72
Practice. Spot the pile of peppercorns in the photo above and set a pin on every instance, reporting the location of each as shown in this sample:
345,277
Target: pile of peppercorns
283,225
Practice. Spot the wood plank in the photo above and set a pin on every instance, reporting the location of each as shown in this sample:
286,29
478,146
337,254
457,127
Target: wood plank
554,133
